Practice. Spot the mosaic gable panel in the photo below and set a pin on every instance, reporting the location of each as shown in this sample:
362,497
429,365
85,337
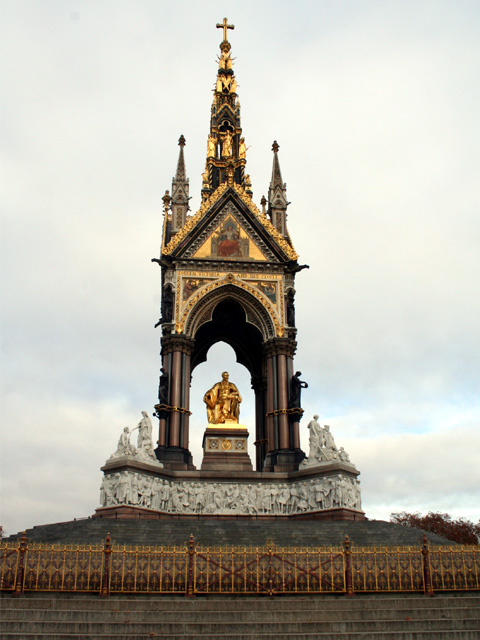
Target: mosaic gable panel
230,237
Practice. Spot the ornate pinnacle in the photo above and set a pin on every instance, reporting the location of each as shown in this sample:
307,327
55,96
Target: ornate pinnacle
275,146
181,141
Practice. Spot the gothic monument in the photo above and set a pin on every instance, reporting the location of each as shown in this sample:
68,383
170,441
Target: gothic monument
228,274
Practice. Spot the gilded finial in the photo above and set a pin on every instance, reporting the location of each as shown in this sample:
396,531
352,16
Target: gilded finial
181,141
263,202
224,25
275,146
166,201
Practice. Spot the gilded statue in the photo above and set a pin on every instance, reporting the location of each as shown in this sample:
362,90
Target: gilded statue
211,146
225,61
227,145
223,402
242,149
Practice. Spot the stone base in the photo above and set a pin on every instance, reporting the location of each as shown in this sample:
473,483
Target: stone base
225,448
175,458
283,460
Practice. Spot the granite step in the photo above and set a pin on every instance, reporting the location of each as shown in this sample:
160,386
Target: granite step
360,635
235,531
288,614
227,628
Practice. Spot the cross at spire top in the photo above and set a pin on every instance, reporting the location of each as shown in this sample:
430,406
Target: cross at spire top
224,25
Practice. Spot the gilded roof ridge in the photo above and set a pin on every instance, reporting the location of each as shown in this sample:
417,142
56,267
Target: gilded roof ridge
247,200
193,220
276,235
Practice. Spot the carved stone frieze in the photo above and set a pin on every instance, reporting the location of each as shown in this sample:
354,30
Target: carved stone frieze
236,498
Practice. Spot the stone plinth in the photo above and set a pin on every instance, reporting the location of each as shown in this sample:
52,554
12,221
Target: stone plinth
225,448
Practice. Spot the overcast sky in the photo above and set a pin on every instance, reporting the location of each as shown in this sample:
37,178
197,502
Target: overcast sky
376,109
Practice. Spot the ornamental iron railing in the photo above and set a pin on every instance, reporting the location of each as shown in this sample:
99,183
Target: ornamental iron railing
192,569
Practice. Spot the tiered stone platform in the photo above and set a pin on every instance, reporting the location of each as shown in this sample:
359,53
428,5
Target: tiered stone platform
175,530
410,617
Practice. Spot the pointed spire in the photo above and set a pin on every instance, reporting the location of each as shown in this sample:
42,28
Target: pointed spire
277,195
181,174
180,190
225,143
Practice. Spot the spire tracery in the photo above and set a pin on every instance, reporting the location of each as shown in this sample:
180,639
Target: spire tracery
226,148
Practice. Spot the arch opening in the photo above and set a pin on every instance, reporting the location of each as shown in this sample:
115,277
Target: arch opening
228,324
219,357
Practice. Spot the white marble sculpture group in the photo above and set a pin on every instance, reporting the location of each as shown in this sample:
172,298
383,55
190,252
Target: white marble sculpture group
322,446
140,490
335,489
144,449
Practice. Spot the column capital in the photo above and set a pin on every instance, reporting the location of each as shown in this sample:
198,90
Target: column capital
177,342
280,346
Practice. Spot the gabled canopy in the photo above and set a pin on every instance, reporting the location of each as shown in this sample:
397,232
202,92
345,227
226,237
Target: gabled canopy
229,214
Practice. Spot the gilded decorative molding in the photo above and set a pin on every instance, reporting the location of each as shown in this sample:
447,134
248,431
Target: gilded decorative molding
193,220
230,279
247,200
279,239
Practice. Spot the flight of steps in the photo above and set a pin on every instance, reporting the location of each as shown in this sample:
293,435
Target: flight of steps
388,617
233,531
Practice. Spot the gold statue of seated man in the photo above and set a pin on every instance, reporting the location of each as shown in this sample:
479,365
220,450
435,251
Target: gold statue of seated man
223,402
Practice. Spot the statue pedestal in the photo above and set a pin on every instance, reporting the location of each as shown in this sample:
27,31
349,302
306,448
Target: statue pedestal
225,448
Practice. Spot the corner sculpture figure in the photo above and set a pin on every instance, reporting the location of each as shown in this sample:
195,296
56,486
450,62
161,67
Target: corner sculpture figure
163,387
322,445
314,439
223,402
144,441
124,446
291,309
296,387
328,445
166,306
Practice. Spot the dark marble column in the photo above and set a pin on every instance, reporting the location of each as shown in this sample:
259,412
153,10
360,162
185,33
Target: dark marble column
282,390
174,439
259,385
283,451
270,398
173,414
186,399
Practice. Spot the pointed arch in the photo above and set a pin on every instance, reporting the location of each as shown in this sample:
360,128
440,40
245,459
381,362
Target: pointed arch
255,311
